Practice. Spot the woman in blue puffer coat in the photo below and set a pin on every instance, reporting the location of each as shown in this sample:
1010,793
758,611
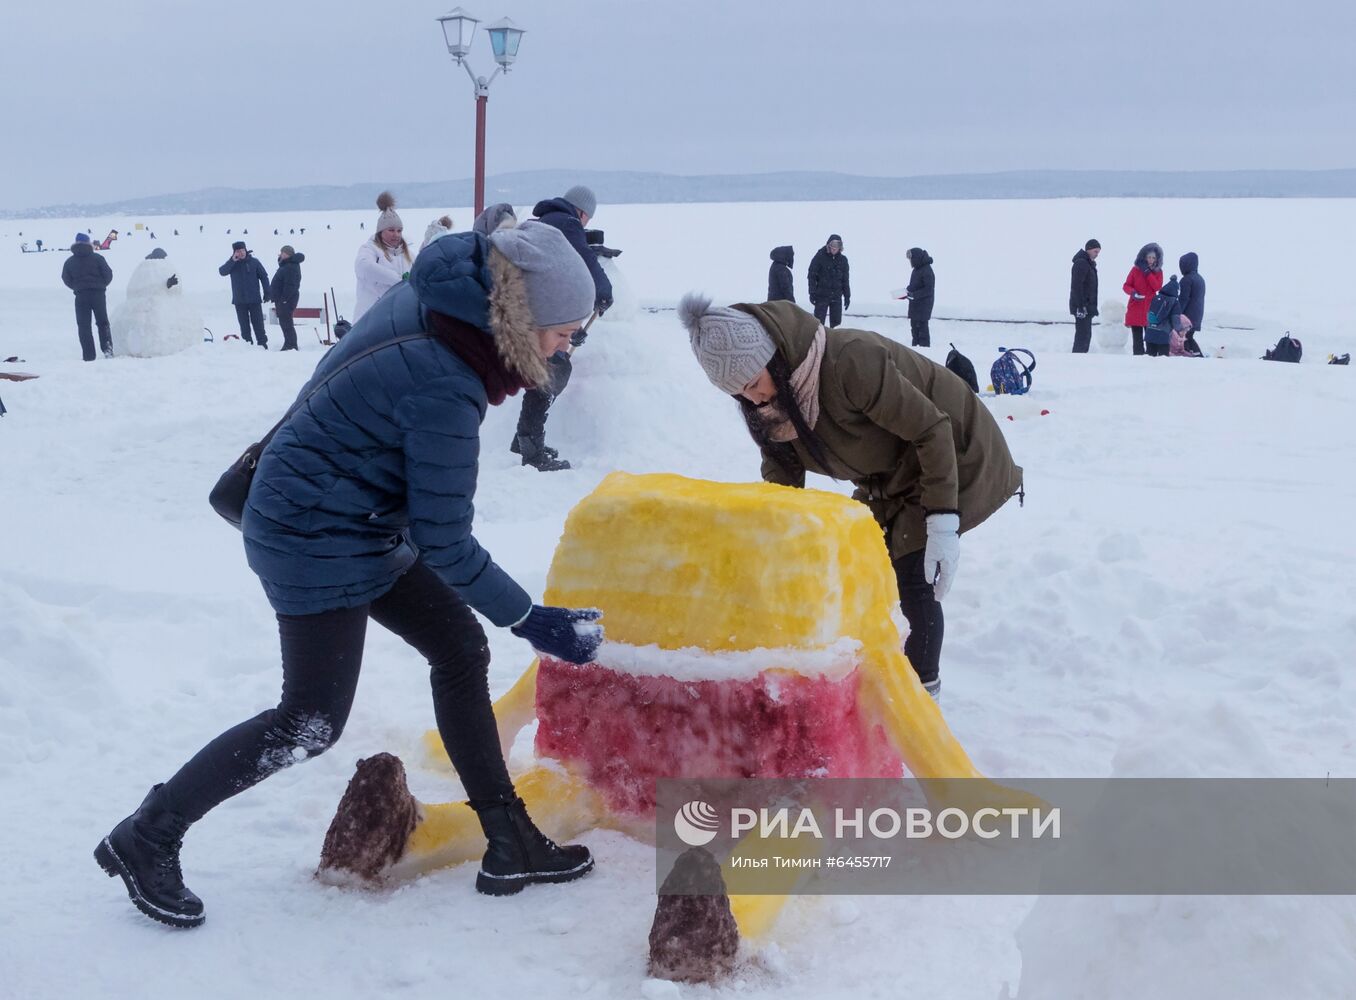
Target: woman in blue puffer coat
361,507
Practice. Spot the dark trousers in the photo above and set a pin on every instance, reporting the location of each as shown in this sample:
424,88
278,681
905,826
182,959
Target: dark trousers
1191,347
832,308
289,331
91,303
1137,334
923,647
922,336
247,315
1082,335
1156,350
321,657
537,402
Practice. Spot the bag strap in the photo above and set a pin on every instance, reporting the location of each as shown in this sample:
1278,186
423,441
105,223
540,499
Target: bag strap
326,380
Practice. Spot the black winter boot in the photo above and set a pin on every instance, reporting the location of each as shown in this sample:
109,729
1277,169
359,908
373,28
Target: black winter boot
546,449
144,850
519,854
536,454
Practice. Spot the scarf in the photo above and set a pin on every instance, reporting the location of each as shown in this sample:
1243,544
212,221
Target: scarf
805,384
481,354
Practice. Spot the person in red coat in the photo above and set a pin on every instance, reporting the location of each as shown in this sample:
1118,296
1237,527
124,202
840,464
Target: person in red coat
1143,283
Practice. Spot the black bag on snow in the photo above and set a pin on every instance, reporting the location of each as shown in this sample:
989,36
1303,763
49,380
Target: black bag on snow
1286,349
1339,359
962,366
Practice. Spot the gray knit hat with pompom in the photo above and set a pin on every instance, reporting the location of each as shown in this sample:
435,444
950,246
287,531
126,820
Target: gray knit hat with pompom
731,346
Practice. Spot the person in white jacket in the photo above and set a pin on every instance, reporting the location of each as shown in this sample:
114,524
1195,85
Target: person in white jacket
384,260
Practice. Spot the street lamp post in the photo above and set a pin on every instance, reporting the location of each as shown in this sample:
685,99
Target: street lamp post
459,30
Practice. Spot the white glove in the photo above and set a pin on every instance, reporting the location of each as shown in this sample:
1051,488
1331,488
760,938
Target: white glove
941,558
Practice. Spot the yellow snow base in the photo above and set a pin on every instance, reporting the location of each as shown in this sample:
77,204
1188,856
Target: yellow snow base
685,563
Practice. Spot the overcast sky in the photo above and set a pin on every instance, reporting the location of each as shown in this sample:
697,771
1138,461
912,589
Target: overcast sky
107,100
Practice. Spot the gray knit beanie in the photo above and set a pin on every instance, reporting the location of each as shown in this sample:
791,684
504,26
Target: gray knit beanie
583,199
388,218
559,285
500,214
731,346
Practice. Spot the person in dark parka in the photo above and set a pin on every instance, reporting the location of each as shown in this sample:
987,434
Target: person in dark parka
830,281
285,288
1158,336
249,288
361,507
1083,294
569,213
1191,294
927,457
922,283
88,275
781,285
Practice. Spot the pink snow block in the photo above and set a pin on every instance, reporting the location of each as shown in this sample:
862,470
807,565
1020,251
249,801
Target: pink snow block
622,731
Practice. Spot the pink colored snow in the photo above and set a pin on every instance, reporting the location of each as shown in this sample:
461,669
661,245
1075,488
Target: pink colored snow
624,731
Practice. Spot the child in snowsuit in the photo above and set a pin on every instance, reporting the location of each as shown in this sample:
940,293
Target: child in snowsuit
1161,322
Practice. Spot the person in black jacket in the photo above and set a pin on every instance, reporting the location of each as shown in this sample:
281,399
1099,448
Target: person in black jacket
1083,294
88,275
569,213
249,288
286,291
830,289
1191,294
920,293
781,285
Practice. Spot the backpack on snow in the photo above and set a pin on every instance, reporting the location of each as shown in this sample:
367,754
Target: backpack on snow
1160,311
1339,359
961,365
1286,349
1010,377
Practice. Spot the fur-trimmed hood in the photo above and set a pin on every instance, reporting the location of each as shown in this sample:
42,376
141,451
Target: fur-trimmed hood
462,276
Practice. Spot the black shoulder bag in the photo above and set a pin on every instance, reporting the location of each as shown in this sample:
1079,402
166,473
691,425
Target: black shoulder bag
228,495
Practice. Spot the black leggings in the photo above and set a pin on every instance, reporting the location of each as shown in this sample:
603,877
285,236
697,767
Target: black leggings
322,655
919,603
1137,338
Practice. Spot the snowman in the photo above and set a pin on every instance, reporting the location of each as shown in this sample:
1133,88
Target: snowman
624,307
156,318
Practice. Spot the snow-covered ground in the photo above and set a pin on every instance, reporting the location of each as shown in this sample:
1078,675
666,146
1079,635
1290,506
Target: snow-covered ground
1176,598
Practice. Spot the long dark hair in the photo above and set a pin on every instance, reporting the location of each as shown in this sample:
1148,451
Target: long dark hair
783,452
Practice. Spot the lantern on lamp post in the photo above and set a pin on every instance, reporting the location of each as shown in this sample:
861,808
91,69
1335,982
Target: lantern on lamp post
459,28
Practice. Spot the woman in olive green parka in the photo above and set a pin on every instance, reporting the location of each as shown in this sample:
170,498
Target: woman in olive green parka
924,453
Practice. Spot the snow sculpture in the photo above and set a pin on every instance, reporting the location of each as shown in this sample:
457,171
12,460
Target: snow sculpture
1112,333
156,318
750,634
624,307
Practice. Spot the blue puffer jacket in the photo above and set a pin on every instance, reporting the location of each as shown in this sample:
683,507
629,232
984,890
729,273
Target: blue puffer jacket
378,468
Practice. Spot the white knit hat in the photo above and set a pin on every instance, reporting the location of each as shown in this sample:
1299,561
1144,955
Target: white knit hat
731,346
388,218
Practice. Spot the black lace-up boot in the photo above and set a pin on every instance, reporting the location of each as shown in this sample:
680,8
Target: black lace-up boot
519,854
144,851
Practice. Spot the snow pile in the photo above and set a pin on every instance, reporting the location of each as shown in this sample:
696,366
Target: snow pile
624,305
1189,947
155,320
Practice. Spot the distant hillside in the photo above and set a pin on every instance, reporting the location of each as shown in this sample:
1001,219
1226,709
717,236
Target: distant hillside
629,187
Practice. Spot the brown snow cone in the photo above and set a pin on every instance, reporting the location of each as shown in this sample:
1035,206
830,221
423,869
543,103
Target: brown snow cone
373,823
694,938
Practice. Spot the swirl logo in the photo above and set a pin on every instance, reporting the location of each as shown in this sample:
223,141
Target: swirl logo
696,824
